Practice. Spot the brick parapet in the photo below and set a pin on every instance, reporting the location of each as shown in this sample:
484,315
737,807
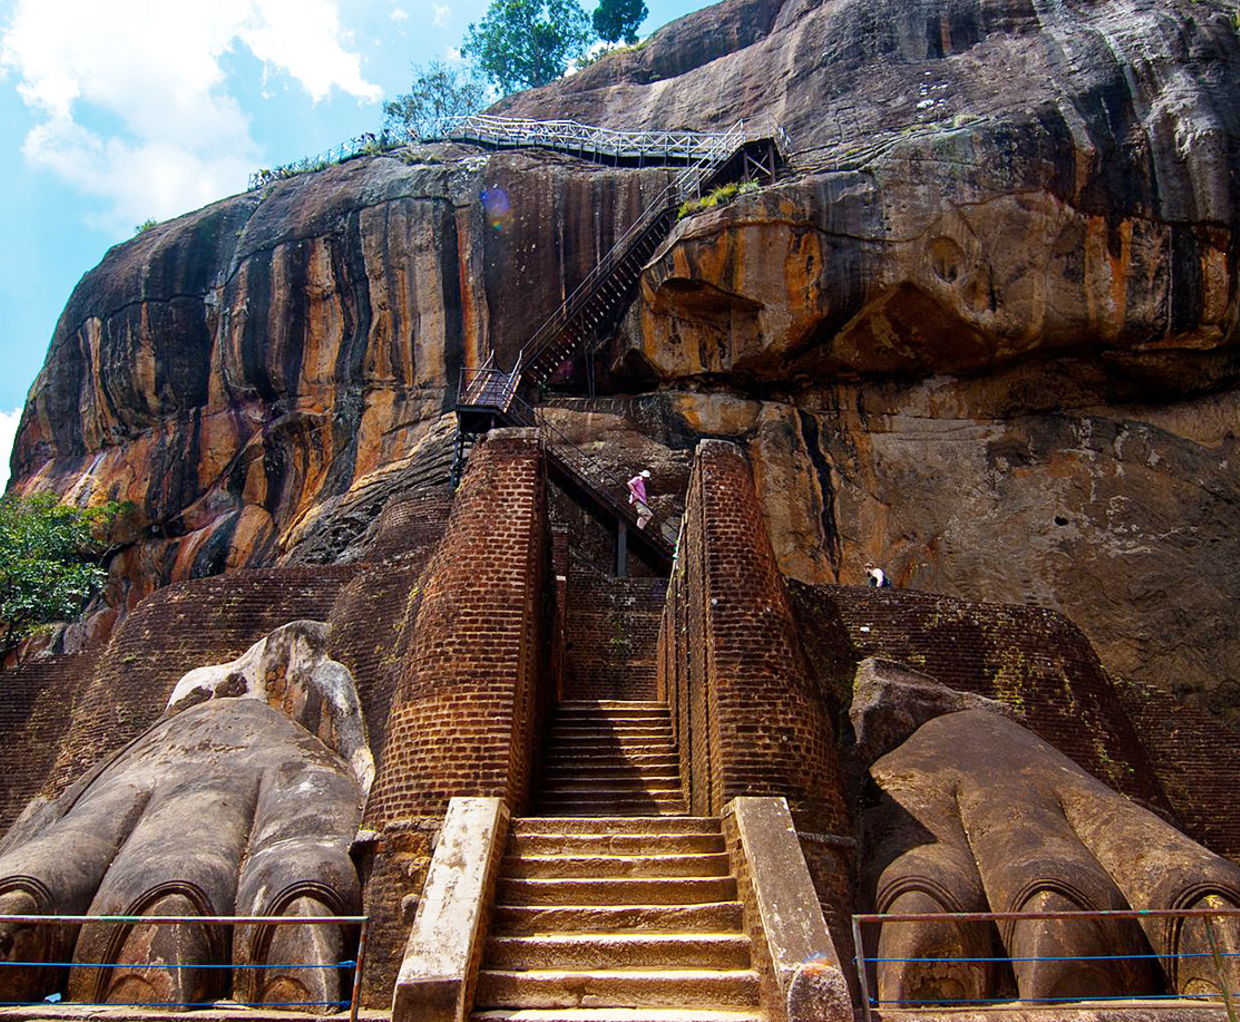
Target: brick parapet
1197,761
745,702
1032,658
465,709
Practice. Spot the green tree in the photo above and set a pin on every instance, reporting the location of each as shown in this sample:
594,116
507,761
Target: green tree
48,569
520,44
440,91
619,19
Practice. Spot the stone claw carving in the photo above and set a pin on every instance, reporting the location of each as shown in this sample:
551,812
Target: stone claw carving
976,814
228,805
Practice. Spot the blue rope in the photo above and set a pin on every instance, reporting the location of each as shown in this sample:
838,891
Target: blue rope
1064,958
117,965
1056,1000
180,1004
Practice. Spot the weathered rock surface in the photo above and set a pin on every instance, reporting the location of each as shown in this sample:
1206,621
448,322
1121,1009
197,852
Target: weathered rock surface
290,670
985,333
892,700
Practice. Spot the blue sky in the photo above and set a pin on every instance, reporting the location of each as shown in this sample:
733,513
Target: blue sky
115,111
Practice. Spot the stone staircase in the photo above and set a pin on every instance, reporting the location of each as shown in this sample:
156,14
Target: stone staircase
614,906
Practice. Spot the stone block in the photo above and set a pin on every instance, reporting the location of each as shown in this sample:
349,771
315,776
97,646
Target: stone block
444,948
803,967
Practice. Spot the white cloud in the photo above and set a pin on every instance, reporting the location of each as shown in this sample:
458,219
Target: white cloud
442,14
8,430
399,14
151,71
453,53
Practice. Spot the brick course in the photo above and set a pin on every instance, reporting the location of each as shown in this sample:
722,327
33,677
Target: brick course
36,709
612,633
1197,761
182,626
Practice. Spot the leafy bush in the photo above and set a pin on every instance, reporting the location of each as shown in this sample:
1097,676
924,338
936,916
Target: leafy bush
48,562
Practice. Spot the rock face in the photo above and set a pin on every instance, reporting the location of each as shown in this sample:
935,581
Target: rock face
984,332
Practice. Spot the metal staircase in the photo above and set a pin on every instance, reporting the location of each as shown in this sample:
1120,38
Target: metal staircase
489,396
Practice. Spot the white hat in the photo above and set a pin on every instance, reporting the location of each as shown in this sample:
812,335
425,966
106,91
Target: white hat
645,473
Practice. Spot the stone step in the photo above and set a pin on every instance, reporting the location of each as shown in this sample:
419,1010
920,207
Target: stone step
601,786
612,704
578,736
615,751
604,988
629,713
620,951
523,825
616,844
617,890
589,770
584,866
606,802
603,758
613,1015
707,917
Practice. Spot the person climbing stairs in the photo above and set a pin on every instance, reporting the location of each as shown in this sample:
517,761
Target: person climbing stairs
614,905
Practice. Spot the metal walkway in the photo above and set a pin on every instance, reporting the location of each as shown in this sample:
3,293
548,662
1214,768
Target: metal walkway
489,396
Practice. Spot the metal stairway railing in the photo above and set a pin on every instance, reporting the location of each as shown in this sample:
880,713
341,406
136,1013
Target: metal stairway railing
595,299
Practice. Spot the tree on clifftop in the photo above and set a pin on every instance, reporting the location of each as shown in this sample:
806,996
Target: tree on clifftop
619,19
520,44
47,563
440,92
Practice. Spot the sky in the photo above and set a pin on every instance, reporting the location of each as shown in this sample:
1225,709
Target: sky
113,112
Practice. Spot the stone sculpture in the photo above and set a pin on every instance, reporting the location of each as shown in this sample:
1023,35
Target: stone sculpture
974,813
230,804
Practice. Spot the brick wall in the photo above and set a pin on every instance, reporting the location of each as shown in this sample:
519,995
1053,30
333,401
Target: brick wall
1197,760
182,626
746,708
36,708
1033,658
612,634
468,699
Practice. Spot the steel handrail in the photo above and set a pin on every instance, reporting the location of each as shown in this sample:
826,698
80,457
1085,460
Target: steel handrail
675,192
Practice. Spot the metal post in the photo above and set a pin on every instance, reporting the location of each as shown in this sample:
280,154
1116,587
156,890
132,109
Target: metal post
622,552
1218,968
355,1002
859,958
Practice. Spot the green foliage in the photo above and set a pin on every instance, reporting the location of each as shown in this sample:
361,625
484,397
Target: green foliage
720,196
439,92
520,44
145,226
619,19
47,562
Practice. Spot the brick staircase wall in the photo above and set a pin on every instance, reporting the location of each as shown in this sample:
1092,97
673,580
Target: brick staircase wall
182,626
612,635
36,707
1033,658
1196,759
466,703
747,710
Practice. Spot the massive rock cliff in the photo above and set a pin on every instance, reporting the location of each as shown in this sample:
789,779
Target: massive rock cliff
984,329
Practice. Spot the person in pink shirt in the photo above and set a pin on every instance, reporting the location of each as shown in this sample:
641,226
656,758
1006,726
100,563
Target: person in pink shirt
637,497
